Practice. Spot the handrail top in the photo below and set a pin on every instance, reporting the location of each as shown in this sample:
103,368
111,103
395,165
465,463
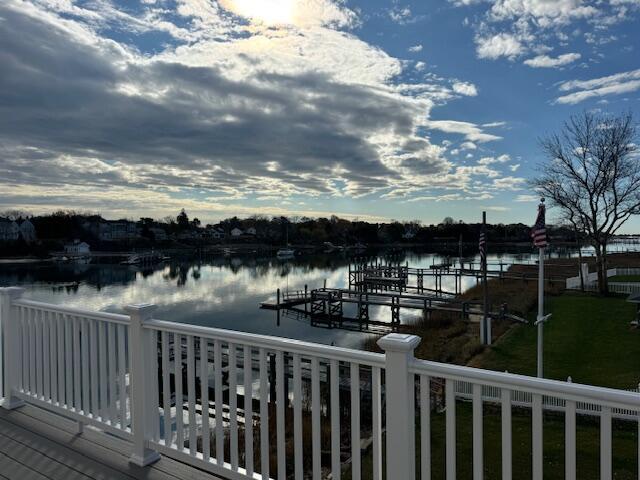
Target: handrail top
542,386
78,312
271,342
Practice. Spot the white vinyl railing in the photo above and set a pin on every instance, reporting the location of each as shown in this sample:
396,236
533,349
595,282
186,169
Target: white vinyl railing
250,406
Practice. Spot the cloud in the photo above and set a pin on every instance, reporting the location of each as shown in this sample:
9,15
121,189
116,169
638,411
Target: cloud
471,131
465,88
511,28
415,48
545,61
616,84
300,13
499,45
230,111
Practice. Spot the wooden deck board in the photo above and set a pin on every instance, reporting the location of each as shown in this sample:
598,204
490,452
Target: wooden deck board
37,444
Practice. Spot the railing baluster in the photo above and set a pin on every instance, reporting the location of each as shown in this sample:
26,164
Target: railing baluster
154,418
93,337
77,369
536,434
298,448
39,352
425,427
355,421
605,443
376,405
53,358
506,434
68,361
335,420
450,419
204,398
248,410
33,358
177,369
478,464
102,360
24,357
280,444
217,365
46,356
62,372
122,370
233,406
191,395
84,339
166,391
315,418
113,373
264,416
570,440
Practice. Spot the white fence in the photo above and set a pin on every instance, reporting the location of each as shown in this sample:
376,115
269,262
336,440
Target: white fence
591,281
464,390
249,406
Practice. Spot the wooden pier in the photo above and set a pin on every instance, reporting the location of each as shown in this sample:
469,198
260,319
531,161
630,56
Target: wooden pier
327,305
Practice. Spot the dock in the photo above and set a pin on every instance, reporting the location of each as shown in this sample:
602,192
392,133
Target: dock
326,305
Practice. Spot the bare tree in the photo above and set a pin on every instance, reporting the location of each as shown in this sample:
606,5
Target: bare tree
593,176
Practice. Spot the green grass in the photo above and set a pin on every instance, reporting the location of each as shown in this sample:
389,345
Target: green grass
588,338
625,278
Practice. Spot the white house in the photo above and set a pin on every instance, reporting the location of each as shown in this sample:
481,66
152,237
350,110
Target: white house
28,231
77,248
9,230
236,232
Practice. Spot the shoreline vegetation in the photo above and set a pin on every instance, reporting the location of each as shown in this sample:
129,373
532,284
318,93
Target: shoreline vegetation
24,235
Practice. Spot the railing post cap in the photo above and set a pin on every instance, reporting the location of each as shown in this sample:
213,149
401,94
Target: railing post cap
12,292
144,310
399,342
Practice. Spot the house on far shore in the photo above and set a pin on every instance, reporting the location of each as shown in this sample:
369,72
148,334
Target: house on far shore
9,230
28,231
236,232
215,233
251,231
77,248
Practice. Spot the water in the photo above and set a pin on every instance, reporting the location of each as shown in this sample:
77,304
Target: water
220,292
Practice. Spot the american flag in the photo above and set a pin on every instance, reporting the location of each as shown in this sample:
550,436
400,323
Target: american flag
482,245
539,231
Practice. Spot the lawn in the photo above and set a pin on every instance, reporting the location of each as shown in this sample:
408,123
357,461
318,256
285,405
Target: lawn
587,446
588,338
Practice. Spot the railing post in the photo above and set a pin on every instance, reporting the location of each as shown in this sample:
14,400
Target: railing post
400,392
9,355
142,403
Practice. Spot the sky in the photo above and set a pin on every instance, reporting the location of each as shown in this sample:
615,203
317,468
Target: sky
365,109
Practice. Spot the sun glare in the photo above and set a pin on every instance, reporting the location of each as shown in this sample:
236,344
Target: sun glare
268,12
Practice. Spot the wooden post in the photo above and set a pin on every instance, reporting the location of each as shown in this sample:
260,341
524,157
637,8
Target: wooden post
144,408
305,298
400,404
10,362
486,322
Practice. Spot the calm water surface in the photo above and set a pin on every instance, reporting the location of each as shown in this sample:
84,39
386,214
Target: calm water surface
216,292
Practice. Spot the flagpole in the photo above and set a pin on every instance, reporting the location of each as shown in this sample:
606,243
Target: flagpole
540,310
486,327
540,319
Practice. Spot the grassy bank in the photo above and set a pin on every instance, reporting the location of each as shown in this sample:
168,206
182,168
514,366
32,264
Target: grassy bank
588,338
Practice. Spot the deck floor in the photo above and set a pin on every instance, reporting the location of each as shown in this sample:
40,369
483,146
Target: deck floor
36,444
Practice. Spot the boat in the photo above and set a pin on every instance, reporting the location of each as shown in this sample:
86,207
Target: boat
132,260
286,253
